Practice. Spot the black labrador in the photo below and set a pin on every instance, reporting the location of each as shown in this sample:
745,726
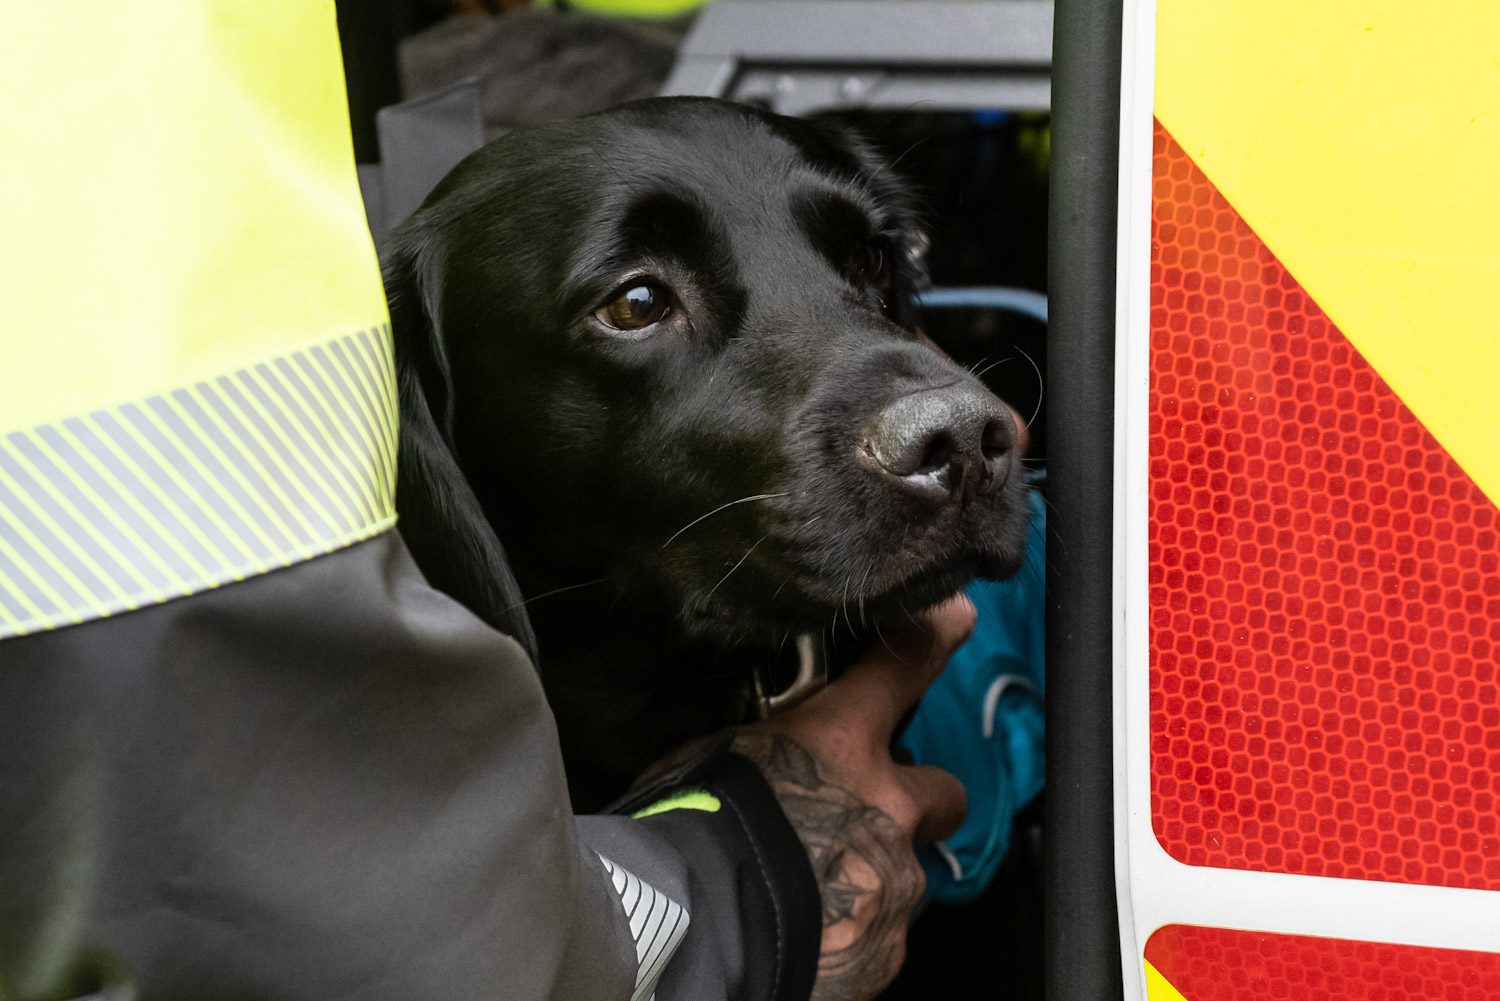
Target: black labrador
666,356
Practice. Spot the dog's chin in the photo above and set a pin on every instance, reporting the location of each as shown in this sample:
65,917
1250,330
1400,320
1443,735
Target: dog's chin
729,624
937,584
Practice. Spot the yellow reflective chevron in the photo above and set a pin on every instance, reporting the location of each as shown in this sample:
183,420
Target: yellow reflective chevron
197,384
1360,142
1158,988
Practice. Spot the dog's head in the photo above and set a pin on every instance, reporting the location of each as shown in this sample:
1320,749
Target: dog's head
670,349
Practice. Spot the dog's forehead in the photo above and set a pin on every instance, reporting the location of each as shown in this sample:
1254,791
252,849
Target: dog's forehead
704,183
733,153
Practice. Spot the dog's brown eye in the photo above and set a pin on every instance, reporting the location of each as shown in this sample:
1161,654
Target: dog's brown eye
637,307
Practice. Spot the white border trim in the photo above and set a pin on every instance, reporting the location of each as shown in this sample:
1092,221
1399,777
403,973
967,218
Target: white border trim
1132,358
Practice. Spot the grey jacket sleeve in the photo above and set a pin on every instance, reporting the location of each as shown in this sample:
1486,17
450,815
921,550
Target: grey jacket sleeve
743,873
332,782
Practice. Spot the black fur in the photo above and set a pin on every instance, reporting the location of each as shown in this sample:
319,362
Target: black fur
592,455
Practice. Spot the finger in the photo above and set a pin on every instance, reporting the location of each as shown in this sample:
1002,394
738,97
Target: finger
879,689
939,798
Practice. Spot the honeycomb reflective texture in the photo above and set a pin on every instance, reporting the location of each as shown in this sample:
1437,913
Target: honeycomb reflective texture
1216,964
1325,597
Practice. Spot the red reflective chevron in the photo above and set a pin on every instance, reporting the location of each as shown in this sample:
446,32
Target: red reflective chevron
1217,964
1324,583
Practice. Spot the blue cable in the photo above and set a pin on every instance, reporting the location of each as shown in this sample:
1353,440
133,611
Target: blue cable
1015,300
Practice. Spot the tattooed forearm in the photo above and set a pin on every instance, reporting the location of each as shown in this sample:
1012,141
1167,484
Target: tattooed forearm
866,872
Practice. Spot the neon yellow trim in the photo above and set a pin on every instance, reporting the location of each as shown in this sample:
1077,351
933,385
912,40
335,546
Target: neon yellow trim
333,506
1158,988
360,416
1360,142
328,361
126,497
146,480
321,546
687,799
181,447
41,585
85,595
99,538
384,374
348,455
208,477
264,476
117,523
79,525
346,495
184,189
226,558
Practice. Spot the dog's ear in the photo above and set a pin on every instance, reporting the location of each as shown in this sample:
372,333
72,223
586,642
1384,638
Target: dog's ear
905,226
441,521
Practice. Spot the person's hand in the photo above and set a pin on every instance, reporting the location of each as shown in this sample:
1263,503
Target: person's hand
858,813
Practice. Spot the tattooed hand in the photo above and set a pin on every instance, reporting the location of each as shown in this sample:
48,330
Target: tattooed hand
859,814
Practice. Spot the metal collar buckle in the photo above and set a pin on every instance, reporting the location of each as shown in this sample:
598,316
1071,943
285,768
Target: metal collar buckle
812,676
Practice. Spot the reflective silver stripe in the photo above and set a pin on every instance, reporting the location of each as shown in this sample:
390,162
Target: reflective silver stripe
209,483
657,924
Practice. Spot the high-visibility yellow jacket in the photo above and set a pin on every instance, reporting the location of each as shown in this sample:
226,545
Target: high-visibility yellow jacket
245,750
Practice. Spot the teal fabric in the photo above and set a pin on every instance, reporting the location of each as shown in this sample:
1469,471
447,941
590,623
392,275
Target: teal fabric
982,721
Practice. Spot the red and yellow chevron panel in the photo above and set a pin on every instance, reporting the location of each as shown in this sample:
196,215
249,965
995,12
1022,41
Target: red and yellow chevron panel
1190,963
1325,582
1359,142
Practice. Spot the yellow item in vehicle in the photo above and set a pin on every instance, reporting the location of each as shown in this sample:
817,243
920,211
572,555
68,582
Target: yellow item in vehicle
636,8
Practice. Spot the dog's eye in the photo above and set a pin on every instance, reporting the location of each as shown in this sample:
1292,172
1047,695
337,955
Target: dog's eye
637,307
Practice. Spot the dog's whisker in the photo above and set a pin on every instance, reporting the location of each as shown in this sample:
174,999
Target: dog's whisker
721,507
781,588
1052,533
993,365
732,569
863,584
848,621
897,162
555,590
844,605
1040,386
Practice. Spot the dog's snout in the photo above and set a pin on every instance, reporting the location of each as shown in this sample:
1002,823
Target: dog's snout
944,443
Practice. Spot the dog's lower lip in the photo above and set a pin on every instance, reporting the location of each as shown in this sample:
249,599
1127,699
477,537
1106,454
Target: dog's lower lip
880,588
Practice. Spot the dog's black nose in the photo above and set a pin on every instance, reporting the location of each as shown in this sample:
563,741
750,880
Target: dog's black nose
944,443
